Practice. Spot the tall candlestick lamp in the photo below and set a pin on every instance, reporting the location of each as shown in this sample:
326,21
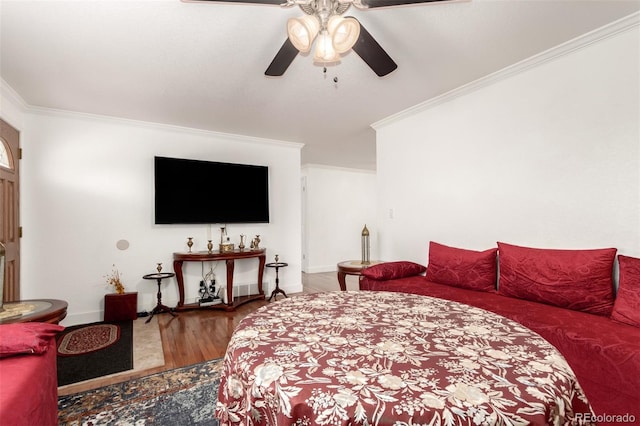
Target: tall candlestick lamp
365,246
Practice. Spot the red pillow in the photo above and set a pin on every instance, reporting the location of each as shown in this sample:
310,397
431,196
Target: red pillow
393,270
626,308
581,280
475,270
26,338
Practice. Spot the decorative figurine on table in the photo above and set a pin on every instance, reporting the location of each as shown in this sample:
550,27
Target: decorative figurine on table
190,243
225,244
241,245
255,244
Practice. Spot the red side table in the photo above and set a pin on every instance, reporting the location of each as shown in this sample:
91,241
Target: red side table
120,307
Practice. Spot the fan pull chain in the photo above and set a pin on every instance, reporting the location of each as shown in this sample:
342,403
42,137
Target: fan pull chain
335,79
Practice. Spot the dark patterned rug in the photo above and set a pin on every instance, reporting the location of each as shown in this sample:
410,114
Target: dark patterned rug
183,396
93,350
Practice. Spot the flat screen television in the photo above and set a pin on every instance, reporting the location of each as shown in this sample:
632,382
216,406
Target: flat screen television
195,191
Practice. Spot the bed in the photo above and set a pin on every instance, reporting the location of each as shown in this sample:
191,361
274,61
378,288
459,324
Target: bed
377,358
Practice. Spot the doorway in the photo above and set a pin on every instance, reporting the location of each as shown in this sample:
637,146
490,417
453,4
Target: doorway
10,209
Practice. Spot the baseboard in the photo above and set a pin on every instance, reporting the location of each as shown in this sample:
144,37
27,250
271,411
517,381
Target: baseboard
319,269
96,316
287,287
83,318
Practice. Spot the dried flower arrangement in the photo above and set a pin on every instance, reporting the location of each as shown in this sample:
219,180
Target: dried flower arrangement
114,280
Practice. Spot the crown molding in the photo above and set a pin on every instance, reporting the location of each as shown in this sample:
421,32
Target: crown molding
610,30
10,94
161,126
310,166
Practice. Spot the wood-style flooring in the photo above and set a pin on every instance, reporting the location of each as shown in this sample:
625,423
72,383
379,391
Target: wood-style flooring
201,335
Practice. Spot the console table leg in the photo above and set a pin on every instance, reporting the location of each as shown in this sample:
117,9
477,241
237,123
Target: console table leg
261,261
230,267
177,268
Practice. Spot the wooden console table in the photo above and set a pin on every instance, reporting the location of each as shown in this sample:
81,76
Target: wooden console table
229,258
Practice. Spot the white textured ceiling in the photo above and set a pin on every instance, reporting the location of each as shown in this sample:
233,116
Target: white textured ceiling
201,64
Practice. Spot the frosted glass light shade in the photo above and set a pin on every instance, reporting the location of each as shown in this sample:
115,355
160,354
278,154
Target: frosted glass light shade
324,49
302,31
344,32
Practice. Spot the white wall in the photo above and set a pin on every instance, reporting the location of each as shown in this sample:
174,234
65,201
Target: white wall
548,157
338,202
87,182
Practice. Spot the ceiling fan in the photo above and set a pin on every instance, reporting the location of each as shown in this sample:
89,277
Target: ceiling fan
334,34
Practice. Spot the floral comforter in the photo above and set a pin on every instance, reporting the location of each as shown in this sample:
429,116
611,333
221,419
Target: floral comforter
383,358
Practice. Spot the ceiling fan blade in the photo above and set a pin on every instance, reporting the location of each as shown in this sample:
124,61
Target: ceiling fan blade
369,4
282,60
373,54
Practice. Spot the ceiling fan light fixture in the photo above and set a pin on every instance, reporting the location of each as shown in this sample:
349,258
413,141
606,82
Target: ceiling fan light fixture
325,52
302,31
344,32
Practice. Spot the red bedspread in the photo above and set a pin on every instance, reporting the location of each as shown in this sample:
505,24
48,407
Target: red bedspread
604,354
391,358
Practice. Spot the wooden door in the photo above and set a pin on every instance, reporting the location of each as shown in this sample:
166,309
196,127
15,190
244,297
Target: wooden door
9,209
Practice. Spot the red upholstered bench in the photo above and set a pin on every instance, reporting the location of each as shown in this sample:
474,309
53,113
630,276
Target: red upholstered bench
28,374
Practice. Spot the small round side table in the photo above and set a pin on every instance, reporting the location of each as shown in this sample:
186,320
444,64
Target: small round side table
35,310
352,267
277,290
159,276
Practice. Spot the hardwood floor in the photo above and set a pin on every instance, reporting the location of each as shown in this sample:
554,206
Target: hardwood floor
201,335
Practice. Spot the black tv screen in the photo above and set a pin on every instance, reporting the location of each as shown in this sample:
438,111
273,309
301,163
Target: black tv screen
195,191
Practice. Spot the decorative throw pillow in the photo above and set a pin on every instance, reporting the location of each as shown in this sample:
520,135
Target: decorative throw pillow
26,338
581,280
393,270
627,305
475,270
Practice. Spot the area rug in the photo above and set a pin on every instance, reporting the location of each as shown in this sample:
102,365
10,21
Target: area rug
88,338
147,353
93,350
183,396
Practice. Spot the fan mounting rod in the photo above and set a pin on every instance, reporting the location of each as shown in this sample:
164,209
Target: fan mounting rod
340,6
322,9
